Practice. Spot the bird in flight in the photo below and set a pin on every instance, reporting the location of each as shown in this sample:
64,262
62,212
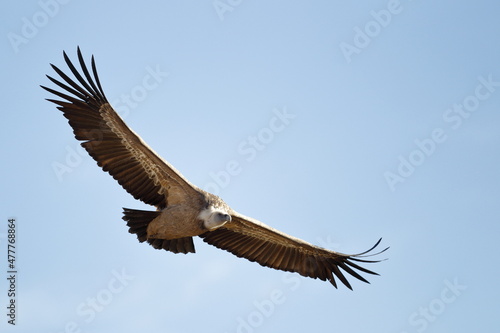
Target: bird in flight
182,209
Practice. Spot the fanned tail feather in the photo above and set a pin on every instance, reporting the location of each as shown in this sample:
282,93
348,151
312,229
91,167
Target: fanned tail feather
138,221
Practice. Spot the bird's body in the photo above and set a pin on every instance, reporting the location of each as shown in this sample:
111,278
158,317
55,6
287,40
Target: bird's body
177,221
190,218
183,210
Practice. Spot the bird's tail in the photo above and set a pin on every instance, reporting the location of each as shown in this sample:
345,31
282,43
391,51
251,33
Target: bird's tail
138,221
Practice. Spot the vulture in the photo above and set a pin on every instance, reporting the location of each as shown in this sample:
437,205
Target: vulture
182,209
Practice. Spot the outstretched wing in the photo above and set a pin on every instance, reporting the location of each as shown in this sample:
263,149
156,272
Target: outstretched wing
115,147
248,238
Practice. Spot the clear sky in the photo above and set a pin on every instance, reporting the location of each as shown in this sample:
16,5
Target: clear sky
337,123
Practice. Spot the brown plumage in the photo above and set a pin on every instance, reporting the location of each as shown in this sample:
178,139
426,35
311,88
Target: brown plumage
183,210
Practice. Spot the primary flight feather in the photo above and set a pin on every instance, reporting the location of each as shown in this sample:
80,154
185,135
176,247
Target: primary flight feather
182,209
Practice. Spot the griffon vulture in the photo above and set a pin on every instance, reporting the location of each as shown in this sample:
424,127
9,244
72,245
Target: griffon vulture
182,209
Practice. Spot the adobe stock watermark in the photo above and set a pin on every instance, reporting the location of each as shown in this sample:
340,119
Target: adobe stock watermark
223,7
422,318
248,149
454,118
263,309
31,26
364,36
327,243
123,105
88,310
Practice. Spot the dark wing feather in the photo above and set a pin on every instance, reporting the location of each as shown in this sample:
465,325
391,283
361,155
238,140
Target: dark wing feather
255,241
115,147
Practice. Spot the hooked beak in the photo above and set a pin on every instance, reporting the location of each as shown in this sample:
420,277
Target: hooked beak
224,218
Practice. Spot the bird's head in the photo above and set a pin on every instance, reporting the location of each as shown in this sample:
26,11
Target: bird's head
214,217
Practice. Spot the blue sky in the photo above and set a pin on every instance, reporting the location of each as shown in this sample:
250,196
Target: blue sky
337,123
